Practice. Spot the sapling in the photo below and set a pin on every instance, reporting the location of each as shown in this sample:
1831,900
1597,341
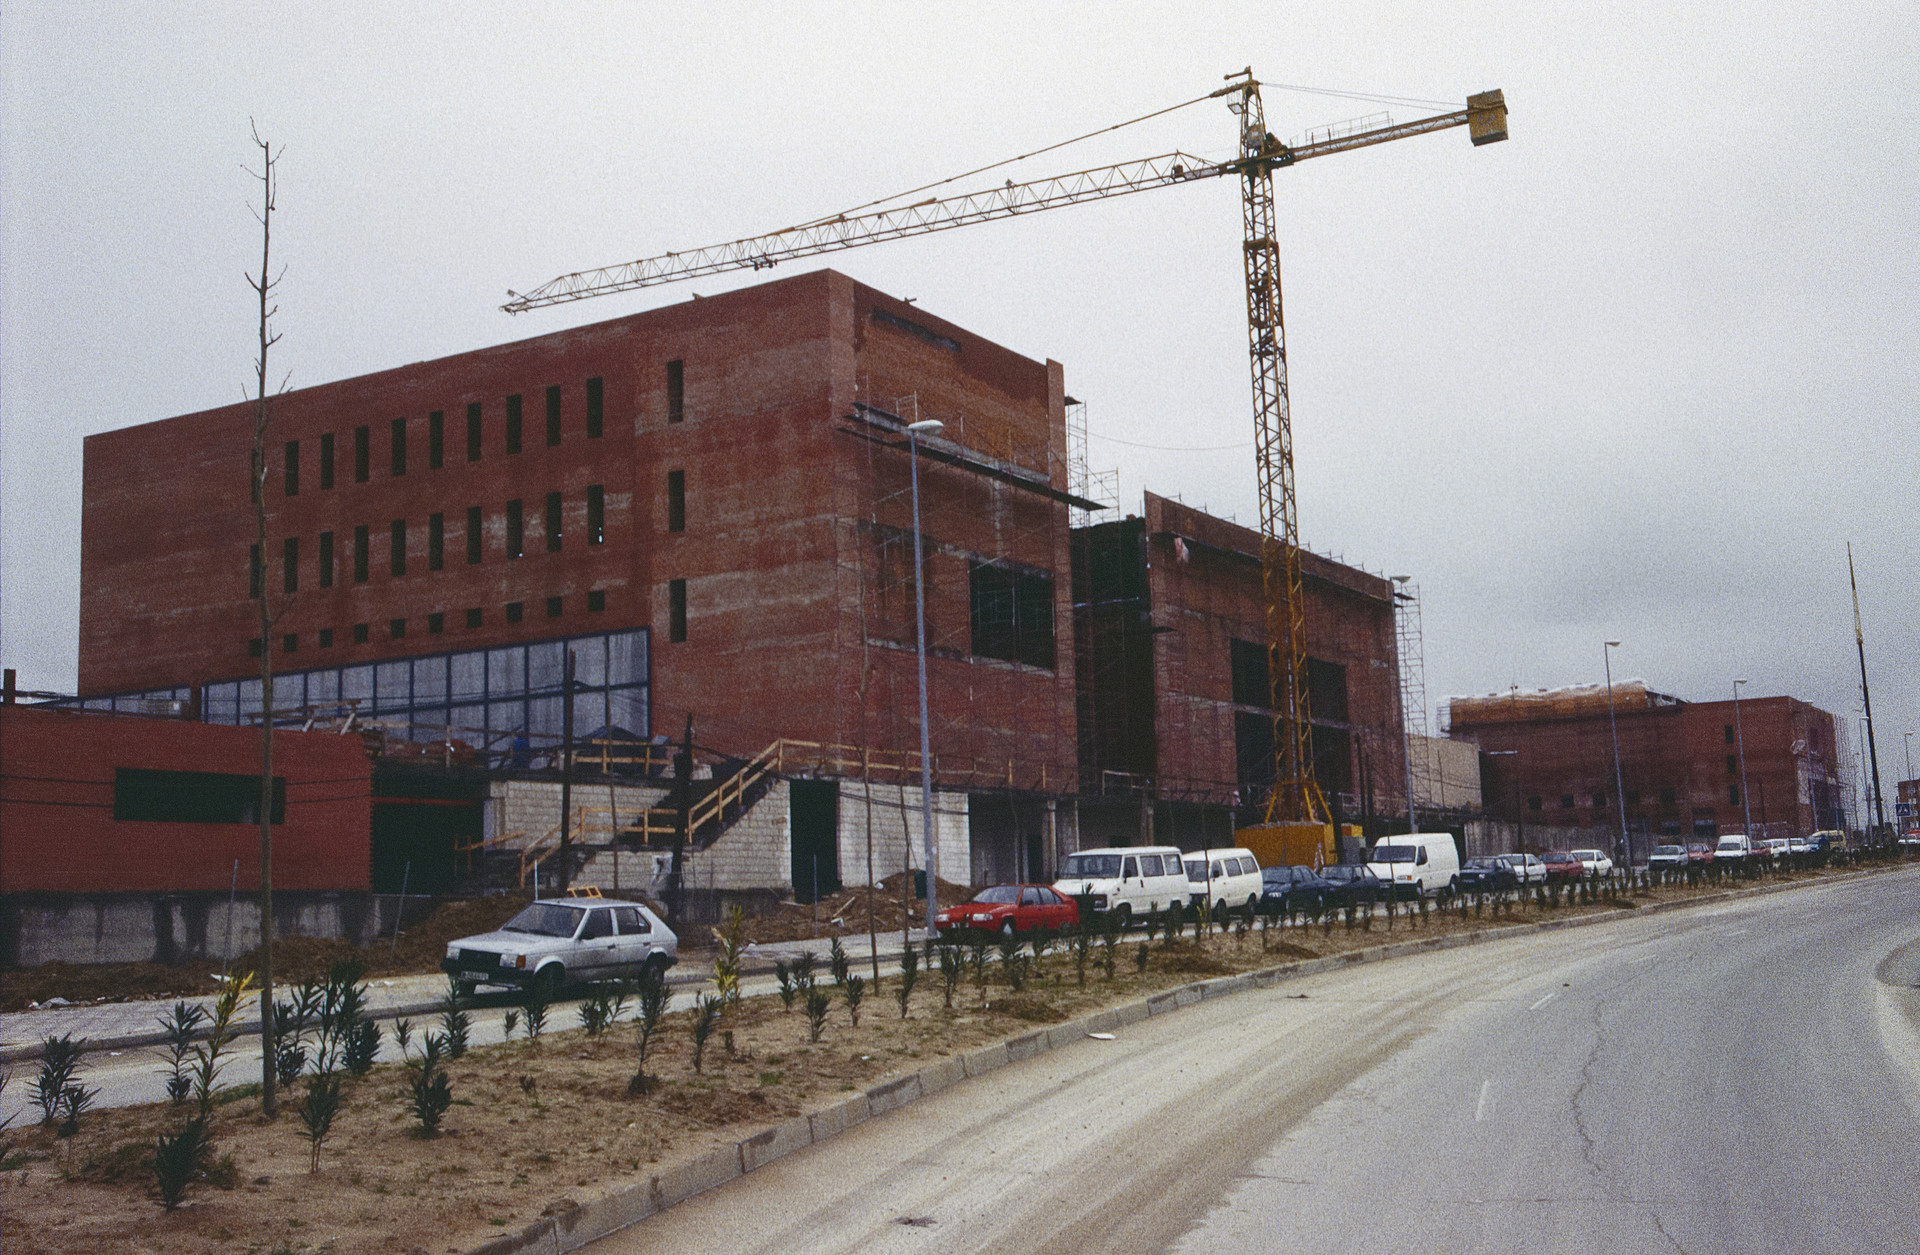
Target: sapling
803,971
75,1101
977,964
429,1093
1082,943
179,1026
853,991
1109,948
536,1008
909,977
596,1012
317,1110
653,1009
1042,943
818,1004
455,1024
207,1060
1153,925
706,1017
789,990
726,965
837,961
1141,956
177,1157
950,966
59,1058
403,1033
1013,964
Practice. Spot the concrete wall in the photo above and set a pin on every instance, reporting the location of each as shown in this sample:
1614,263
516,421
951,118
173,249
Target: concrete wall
172,928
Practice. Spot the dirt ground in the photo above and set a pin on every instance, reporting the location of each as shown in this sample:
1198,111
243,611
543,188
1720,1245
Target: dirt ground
537,1122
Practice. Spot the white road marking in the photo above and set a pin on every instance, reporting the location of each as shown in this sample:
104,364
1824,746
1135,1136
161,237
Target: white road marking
1544,1001
1480,1108
1738,932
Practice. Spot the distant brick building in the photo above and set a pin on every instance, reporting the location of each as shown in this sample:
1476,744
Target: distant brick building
1548,760
1170,632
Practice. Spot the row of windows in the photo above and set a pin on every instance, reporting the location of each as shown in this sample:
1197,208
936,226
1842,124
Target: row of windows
1668,799
398,538
475,617
513,433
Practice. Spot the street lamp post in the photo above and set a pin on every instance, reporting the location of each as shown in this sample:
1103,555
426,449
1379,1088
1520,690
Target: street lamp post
1406,739
926,427
1740,737
1619,786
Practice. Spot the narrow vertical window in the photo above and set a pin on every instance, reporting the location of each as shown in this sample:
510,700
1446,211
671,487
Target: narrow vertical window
399,447
555,607
473,535
516,535
359,633
326,559
553,522
326,638
676,391
326,461
473,431
596,414
397,628
596,600
290,643
473,618
676,610
596,514
436,541
290,565
397,552
436,623
362,453
553,416
676,501
360,547
513,423
436,440
514,610
253,571
293,468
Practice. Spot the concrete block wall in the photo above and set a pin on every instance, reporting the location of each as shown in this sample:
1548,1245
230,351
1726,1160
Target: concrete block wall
532,807
896,826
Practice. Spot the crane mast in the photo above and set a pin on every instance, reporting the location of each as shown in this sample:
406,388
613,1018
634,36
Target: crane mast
1296,797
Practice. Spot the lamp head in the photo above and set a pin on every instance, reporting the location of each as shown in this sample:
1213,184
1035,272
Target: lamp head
1611,644
926,427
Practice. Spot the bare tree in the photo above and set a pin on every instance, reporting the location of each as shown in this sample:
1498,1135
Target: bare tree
263,286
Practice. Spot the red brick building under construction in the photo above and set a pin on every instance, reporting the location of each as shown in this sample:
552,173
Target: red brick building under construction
707,505
1548,760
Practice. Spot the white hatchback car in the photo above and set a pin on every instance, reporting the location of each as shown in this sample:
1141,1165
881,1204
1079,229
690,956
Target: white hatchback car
1594,862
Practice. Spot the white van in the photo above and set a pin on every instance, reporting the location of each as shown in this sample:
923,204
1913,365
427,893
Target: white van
1734,847
1230,877
1129,882
1417,864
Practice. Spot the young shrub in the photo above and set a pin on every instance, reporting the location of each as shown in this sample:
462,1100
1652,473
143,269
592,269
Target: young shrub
428,1092
1041,943
317,1111
1109,949
403,1034
535,1008
509,1022
75,1101
803,971
706,1017
853,991
909,977
789,990
177,1158
596,1011
208,1054
1082,945
653,1009
1153,926
179,1026
59,1058
1013,964
837,961
362,1046
1141,956
950,969
289,1056
726,965
977,965
455,1024
818,1004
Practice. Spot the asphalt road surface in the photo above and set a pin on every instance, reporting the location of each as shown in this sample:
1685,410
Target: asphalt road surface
1739,1078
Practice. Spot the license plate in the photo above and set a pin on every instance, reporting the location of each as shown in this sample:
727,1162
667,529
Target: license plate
476,977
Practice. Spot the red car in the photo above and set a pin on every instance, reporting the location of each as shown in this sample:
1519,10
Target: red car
1010,909
1700,853
1562,867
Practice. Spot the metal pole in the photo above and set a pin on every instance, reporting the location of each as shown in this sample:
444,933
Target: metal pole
1740,737
405,877
566,779
1866,698
233,894
914,430
1619,786
1406,738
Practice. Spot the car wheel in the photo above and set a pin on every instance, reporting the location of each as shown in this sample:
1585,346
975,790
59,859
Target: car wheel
463,989
655,968
1006,928
548,982
1124,915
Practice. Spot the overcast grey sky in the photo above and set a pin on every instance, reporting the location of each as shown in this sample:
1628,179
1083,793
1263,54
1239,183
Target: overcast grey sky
1640,373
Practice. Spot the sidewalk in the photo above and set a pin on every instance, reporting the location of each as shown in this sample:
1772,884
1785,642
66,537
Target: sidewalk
123,1025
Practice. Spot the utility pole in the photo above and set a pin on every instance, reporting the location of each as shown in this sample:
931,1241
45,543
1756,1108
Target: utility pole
1866,699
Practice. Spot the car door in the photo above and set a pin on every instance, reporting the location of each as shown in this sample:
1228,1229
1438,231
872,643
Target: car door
597,951
634,939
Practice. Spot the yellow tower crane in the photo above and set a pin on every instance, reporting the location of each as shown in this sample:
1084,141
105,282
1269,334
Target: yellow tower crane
1295,807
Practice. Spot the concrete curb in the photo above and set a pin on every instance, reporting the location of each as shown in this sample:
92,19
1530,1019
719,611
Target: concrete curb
574,1225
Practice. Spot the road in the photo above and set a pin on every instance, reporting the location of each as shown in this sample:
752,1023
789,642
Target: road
1738,1078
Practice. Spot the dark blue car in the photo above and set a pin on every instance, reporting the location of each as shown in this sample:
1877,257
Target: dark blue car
1297,889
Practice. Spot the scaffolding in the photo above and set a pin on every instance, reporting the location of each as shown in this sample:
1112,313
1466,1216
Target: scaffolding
1409,640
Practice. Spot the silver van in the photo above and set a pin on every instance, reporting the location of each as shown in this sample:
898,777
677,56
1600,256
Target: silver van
1128,882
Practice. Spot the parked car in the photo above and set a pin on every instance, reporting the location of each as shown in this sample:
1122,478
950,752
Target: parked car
1562,866
1700,853
556,942
1528,867
1668,858
1231,876
1775,849
1299,889
1010,909
1487,873
1352,884
1798,845
1593,862
1733,846
1416,864
1130,882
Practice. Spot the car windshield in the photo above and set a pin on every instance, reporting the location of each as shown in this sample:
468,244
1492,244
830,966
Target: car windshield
1668,849
1197,869
1587,856
1005,895
1277,875
1090,867
1556,856
545,920
1486,863
1340,873
1384,853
